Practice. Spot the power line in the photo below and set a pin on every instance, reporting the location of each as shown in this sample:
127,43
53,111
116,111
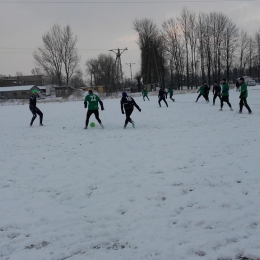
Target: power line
30,50
21,48
120,2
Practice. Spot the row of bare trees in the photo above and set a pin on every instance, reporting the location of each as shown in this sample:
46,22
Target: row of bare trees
185,51
196,47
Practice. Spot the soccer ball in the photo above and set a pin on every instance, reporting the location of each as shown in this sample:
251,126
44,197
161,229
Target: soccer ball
92,124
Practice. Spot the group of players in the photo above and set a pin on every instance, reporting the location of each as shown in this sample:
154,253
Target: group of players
127,105
92,101
222,92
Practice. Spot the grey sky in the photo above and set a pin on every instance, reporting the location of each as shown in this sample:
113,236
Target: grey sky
99,26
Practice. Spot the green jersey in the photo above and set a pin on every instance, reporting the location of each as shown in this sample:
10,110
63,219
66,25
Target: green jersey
244,92
92,100
225,90
170,91
144,92
201,90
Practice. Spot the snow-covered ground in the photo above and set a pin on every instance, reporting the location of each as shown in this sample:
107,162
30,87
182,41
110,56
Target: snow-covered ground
184,184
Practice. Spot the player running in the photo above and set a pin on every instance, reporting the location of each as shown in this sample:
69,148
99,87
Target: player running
170,91
145,94
91,101
35,110
127,104
216,92
206,91
162,95
243,96
225,95
201,93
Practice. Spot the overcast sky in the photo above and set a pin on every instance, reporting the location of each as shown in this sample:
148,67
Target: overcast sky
99,26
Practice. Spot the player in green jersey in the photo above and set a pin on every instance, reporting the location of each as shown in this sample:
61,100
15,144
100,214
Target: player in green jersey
201,93
225,95
91,101
170,92
145,94
243,96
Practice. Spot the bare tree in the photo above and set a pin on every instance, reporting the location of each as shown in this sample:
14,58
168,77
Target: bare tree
37,71
185,28
193,42
151,46
243,42
175,48
69,55
188,25
201,47
138,78
212,39
218,25
49,57
77,79
257,44
206,41
230,46
58,56
101,69
217,43
250,55
92,70
106,70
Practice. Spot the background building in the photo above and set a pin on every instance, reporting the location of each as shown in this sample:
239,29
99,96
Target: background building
17,92
37,80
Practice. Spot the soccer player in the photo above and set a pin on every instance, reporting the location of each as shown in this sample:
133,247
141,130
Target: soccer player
145,94
35,110
237,86
170,91
91,101
201,93
162,95
243,96
206,92
127,104
225,95
216,91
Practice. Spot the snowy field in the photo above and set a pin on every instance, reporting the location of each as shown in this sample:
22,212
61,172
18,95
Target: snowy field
184,184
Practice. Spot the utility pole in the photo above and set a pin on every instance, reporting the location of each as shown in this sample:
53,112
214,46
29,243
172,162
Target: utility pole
130,64
117,72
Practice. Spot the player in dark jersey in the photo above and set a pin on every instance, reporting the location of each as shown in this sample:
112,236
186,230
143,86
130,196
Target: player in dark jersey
128,104
216,92
237,86
35,110
162,96
206,91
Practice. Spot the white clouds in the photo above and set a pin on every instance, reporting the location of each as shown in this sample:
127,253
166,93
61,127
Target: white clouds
127,39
